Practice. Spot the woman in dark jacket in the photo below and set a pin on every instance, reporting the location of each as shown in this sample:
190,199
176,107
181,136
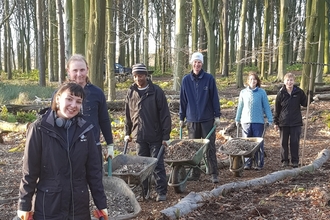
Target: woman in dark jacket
288,119
61,162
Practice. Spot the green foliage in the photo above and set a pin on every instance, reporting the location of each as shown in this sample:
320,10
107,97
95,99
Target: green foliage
326,115
294,67
20,92
33,75
23,117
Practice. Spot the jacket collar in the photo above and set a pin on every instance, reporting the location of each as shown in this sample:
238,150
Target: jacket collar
199,75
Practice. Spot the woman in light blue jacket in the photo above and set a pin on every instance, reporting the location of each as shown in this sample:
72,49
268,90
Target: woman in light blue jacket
252,106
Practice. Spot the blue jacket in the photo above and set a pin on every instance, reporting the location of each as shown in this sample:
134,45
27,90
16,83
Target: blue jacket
199,100
95,110
252,105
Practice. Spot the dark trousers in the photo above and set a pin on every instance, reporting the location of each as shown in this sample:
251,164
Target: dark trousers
292,135
254,130
146,149
197,130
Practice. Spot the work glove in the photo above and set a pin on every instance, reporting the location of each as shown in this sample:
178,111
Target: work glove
237,124
111,152
216,122
182,124
127,138
23,215
166,142
101,213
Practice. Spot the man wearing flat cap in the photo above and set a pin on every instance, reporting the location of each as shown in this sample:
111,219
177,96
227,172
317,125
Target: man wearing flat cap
148,123
200,107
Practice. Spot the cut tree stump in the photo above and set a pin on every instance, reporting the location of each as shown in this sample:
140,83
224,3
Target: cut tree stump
195,200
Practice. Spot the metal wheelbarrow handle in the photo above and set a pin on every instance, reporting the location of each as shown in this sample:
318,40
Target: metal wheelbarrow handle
211,131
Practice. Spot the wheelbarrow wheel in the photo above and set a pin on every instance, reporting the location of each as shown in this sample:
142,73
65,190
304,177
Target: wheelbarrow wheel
237,166
179,177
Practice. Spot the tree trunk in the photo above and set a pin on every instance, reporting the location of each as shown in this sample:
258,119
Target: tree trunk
41,52
146,33
51,39
282,40
241,46
180,43
311,45
264,60
96,42
209,20
78,27
67,38
110,51
225,40
61,44
195,200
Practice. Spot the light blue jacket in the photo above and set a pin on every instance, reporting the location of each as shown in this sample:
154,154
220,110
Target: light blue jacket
252,105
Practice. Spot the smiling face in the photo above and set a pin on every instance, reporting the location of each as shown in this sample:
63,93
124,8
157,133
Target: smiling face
140,79
77,71
252,81
196,66
68,104
289,83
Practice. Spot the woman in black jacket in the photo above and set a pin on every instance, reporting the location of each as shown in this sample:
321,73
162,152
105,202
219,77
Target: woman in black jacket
61,163
288,119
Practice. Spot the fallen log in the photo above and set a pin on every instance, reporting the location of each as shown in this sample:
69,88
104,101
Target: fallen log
318,97
195,200
13,127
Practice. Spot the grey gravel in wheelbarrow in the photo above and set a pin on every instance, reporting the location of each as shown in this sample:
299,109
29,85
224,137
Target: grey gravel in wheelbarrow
121,200
132,176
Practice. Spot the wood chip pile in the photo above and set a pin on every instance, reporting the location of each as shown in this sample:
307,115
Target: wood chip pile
182,150
237,146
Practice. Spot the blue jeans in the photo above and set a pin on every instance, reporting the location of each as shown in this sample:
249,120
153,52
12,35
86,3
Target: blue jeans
254,130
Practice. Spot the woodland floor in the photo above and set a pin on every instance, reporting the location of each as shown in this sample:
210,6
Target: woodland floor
301,197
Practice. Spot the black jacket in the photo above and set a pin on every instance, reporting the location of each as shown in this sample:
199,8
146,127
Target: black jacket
148,118
288,107
60,173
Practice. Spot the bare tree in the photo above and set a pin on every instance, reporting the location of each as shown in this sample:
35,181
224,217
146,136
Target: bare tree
96,42
41,58
240,53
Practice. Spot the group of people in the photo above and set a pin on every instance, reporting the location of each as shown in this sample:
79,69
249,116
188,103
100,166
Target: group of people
63,155
253,105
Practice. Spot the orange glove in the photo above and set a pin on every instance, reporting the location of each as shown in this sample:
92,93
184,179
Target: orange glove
23,215
101,214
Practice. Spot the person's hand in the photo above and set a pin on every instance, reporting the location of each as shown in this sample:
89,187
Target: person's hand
23,215
237,124
101,213
268,124
182,124
127,138
216,122
276,127
166,143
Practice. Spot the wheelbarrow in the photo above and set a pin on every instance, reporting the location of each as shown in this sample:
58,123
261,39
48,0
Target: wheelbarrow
181,168
134,179
115,184
237,155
